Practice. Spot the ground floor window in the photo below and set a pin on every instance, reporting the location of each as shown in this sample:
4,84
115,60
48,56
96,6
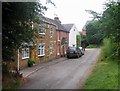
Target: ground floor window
41,49
25,53
51,47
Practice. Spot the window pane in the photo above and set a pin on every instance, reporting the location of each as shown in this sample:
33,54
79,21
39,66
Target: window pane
41,49
25,52
42,29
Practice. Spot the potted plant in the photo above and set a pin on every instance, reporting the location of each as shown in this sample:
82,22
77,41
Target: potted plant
30,62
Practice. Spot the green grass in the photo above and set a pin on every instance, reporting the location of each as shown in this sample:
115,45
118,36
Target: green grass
93,46
12,85
105,76
105,73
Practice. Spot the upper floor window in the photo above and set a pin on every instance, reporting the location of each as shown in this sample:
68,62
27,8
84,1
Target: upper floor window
51,47
42,29
51,33
25,53
41,49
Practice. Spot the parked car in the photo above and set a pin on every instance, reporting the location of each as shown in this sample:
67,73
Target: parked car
73,52
82,50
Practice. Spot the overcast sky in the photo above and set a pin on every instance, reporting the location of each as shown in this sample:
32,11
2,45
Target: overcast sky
73,11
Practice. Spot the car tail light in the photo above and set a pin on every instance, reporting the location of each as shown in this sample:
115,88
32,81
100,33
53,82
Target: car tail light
75,52
68,52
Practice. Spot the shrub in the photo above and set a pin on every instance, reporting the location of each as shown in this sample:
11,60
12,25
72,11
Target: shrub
108,48
30,62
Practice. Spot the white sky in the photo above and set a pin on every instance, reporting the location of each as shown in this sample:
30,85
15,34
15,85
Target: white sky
73,11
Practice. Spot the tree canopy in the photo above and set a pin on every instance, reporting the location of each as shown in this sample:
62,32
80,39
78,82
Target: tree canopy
106,26
17,18
110,24
94,34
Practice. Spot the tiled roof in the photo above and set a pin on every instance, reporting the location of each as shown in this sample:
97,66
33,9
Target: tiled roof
68,26
47,20
58,24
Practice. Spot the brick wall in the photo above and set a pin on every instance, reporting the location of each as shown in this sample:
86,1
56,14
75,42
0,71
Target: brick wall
41,38
59,46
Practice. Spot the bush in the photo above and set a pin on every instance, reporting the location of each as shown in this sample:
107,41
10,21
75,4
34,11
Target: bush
30,62
93,46
108,49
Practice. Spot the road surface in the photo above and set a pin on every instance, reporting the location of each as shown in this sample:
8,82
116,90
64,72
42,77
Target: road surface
0,76
67,74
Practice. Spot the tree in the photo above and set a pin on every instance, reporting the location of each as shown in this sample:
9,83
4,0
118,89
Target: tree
78,40
94,34
107,26
110,24
17,18
109,20
95,14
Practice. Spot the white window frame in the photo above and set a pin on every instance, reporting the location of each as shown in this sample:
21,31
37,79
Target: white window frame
41,49
51,47
42,28
51,33
25,53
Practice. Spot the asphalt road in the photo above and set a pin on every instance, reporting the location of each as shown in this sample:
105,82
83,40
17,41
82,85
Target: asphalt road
67,74
0,75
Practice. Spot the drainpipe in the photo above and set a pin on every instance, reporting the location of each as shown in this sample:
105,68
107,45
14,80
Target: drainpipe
18,64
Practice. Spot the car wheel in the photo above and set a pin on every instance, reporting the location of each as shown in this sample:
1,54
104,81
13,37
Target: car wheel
78,56
68,56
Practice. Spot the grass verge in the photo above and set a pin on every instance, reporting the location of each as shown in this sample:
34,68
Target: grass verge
105,73
11,85
93,46
105,76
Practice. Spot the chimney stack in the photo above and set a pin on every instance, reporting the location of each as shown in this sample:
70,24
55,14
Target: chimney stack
57,19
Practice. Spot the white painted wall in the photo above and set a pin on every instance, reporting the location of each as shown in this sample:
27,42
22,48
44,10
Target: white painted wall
72,35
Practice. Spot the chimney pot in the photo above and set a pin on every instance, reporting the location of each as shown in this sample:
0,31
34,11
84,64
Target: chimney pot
57,19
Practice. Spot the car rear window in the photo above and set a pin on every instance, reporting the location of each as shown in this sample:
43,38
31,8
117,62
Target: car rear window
72,48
